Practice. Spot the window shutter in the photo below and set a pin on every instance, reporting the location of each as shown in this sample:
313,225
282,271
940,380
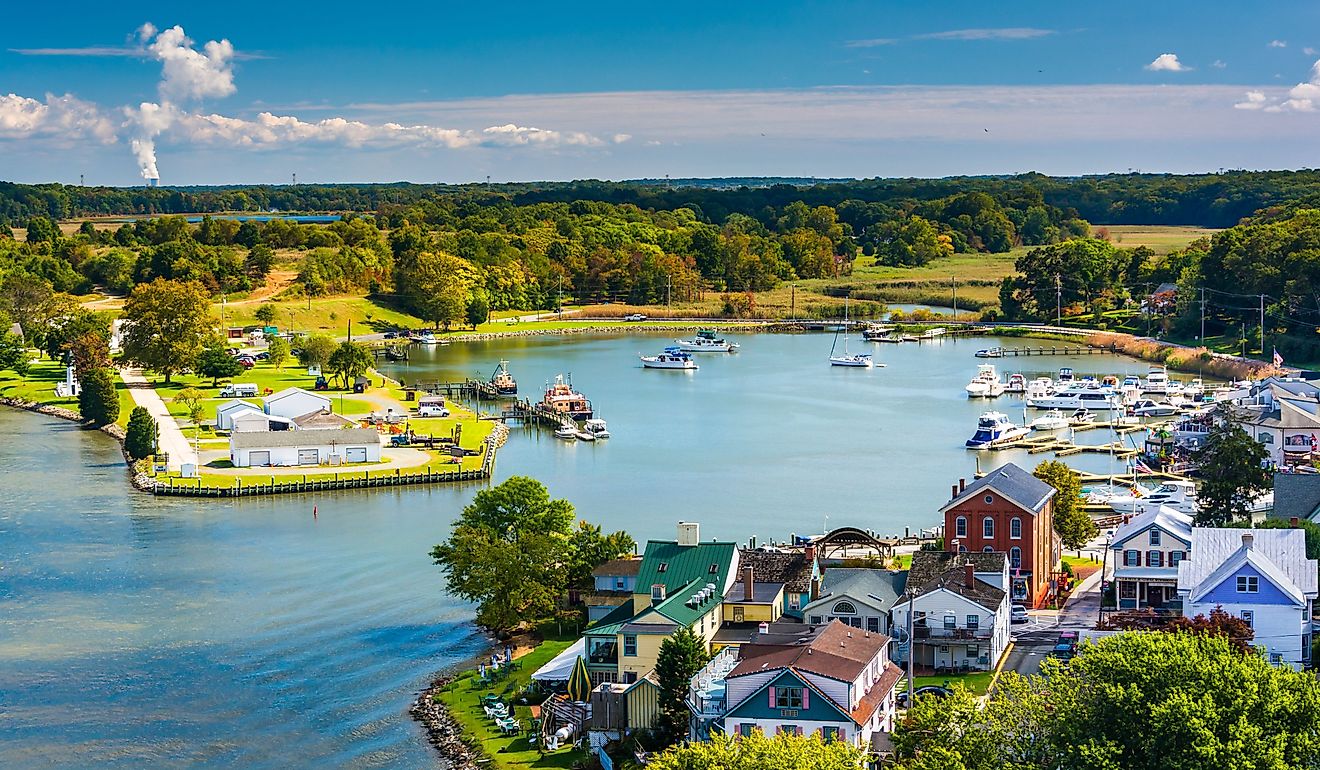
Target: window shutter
806,698
772,697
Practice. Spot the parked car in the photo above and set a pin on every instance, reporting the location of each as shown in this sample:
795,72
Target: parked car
391,335
247,363
1019,614
263,356
635,317
1063,651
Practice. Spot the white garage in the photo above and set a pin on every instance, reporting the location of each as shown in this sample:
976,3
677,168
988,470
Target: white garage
295,402
291,448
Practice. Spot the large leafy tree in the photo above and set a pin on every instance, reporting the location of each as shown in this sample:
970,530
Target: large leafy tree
681,656
97,399
349,361
437,286
278,352
507,553
1232,472
216,363
166,324
591,547
316,350
1073,525
761,752
1180,700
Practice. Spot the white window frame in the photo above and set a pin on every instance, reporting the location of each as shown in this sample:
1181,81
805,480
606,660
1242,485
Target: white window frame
1015,528
1248,584
987,527
960,526
1155,537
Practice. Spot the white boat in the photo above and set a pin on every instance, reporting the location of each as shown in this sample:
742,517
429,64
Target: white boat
1194,389
1081,416
993,429
1179,495
986,383
1131,381
1157,380
990,353
672,358
595,428
1041,387
1051,420
426,338
1016,384
707,341
566,431
931,334
1065,376
1148,408
856,360
1076,398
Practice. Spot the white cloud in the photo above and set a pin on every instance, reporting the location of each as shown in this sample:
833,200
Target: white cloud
987,33
1309,51
64,117
1218,64
1255,101
1167,62
187,73
870,42
1278,44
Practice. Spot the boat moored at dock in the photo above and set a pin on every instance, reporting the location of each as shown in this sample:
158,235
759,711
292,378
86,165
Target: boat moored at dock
503,383
594,429
560,398
993,429
707,341
986,383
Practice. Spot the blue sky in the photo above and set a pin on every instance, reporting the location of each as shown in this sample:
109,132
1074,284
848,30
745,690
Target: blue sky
519,91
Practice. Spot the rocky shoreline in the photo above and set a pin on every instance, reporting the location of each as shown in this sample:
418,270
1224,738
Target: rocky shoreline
443,732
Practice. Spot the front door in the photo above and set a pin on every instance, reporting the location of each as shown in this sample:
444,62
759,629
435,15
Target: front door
738,614
308,457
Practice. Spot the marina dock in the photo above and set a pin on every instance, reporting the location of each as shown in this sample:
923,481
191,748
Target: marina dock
1043,350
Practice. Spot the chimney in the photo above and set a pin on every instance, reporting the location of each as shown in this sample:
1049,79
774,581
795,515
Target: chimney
1294,522
962,485
953,491
749,587
689,533
1248,540
810,552
969,576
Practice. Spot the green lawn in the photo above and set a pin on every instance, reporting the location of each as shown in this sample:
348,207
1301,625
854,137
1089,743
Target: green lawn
463,703
39,386
322,314
978,682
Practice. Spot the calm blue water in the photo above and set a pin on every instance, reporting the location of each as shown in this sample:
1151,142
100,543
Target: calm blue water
137,632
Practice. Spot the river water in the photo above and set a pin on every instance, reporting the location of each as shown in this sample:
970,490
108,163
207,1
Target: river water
143,632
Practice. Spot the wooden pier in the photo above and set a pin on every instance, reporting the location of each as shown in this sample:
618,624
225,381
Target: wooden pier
528,413
1044,351
478,390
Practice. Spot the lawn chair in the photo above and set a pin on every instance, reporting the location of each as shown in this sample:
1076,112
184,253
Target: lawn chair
509,726
496,712
491,699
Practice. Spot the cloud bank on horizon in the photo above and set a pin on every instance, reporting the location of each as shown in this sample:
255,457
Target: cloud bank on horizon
190,76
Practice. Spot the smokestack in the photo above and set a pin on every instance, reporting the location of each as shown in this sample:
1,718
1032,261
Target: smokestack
1248,540
153,182
749,586
969,575
689,533
811,552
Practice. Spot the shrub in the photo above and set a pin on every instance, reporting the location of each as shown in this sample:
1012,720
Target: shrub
140,440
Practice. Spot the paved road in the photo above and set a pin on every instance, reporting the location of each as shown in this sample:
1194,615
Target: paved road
172,439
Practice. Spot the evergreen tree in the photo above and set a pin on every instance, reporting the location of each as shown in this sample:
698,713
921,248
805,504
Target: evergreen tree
681,656
97,400
141,439
1071,522
216,363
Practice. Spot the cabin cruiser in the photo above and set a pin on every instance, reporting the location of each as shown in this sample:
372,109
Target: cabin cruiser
1016,384
707,341
1178,495
672,358
593,429
861,360
562,399
1081,416
1041,387
986,383
1065,375
1051,420
566,431
1194,389
1131,381
1157,380
990,353
1075,398
502,381
1148,408
994,428
426,338
879,333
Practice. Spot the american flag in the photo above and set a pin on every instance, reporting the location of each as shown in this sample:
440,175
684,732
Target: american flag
1278,359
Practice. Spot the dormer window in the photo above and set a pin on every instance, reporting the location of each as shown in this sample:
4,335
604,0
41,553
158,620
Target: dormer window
1154,537
658,593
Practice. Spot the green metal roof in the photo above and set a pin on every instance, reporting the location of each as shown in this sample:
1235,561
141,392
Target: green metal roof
611,623
677,565
677,609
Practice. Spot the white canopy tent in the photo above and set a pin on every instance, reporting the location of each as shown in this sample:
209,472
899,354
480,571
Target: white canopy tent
558,669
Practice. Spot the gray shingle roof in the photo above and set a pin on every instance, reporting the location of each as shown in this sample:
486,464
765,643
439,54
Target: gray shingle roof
1012,482
788,567
260,439
882,584
1212,546
932,570
1296,494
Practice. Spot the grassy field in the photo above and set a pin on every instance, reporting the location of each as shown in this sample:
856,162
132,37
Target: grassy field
1161,239
39,387
508,752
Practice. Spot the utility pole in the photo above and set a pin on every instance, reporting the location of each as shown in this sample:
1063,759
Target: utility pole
953,280
1058,301
1262,326
1202,315
350,330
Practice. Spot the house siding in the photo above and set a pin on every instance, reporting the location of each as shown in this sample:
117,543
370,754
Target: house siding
936,605
1040,547
1226,592
866,607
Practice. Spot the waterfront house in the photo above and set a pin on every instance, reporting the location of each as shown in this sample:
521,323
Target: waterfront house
303,447
1145,552
960,610
1296,496
679,583
840,686
1259,575
1283,414
613,584
861,598
225,412
295,402
1010,511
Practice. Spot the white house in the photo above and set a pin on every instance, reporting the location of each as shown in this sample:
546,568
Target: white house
295,402
1259,575
861,598
1283,414
303,447
960,610
1145,552
224,413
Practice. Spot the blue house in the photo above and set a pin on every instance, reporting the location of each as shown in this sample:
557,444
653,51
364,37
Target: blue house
1259,575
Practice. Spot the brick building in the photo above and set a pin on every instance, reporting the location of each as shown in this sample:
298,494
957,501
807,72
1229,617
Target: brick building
1010,511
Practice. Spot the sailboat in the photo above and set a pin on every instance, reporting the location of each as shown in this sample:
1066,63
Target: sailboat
861,360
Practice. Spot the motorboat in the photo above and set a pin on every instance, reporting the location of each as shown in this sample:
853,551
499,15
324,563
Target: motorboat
707,341
1075,398
595,428
1041,387
993,429
1081,416
1101,494
560,398
673,357
503,382
1016,384
1194,389
1065,375
426,338
1131,381
856,360
1051,420
879,333
931,334
1179,495
566,431
1157,380
990,353
986,383
1148,408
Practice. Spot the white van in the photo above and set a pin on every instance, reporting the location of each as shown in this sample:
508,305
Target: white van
239,390
432,406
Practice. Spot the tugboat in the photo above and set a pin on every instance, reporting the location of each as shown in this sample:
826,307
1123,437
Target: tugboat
503,382
994,428
562,399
